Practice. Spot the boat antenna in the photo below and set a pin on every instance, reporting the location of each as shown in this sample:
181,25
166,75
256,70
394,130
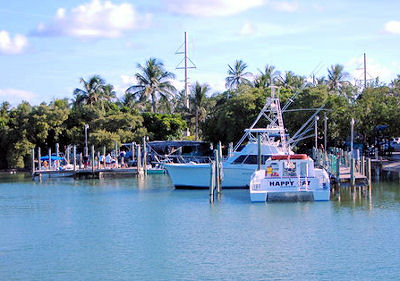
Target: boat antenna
184,64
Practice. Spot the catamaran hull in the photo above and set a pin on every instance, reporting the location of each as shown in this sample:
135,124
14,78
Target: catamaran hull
198,176
263,189
295,195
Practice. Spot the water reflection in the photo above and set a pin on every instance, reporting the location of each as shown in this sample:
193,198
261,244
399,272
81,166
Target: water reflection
380,195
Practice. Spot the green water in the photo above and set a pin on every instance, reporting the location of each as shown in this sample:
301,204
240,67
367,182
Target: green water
127,229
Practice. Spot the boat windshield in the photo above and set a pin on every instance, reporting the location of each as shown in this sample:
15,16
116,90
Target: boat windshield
250,159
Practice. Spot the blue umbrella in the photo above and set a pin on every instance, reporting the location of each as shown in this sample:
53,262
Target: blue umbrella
53,158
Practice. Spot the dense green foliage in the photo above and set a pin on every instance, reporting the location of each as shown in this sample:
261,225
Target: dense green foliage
212,117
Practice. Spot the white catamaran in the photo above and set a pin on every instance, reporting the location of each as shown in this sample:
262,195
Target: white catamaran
290,177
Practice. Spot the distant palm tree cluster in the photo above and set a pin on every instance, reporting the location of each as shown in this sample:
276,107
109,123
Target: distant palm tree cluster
155,92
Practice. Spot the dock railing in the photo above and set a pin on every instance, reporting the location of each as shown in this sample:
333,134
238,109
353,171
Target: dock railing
342,166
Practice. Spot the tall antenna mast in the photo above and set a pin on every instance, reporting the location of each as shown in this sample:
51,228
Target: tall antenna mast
185,61
365,71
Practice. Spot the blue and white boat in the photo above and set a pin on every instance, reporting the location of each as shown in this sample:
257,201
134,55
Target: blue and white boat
239,167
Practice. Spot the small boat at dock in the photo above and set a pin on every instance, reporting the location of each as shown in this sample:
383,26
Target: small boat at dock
290,178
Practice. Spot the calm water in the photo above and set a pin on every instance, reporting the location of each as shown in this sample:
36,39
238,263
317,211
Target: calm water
129,230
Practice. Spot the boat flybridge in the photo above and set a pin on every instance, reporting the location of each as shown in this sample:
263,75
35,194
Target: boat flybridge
239,167
290,177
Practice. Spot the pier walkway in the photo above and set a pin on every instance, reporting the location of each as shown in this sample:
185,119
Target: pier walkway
343,169
95,173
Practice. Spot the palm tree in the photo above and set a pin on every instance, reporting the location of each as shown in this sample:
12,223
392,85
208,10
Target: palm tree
198,93
336,78
237,75
291,80
153,80
266,78
93,91
396,82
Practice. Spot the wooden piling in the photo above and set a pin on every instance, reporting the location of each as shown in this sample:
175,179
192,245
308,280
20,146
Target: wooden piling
80,160
49,159
57,153
139,161
212,181
144,156
362,166
92,155
39,163
68,154
74,155
338,171
33,161
352,171
217,171
219,147
369,172
116,152
133,151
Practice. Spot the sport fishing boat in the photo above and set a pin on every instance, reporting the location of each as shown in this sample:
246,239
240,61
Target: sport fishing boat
238,168
290,177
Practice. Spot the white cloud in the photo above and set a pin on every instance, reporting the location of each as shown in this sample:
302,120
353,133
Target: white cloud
386,73
128,80
210,8
14,96
392,27
11,46
247,29
268,29
285,6
94,20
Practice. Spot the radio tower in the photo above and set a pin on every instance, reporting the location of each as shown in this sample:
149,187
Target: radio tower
185,61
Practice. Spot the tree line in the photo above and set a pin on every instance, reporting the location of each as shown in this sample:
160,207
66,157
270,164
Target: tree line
154,107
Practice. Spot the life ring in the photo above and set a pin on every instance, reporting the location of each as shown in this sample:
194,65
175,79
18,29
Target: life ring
288,157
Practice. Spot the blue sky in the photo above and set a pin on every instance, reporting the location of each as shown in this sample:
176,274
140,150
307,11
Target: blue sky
45,48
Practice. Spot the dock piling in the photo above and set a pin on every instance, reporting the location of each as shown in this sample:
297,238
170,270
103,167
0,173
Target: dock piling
74,157
139,161
49,158
338,171
57,153
133,151
369,172
144,155
33,161
352,172
39,164
92,155
212,181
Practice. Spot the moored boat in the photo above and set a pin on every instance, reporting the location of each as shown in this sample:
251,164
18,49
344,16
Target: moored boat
290,177
238,167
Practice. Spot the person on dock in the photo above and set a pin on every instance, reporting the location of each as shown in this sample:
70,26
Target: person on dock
85,162
101,159
108,160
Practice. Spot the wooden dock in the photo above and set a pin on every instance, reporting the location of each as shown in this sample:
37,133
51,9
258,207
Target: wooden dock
94,174
343,169
345,178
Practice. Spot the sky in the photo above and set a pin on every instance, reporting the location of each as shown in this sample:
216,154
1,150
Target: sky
47,46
